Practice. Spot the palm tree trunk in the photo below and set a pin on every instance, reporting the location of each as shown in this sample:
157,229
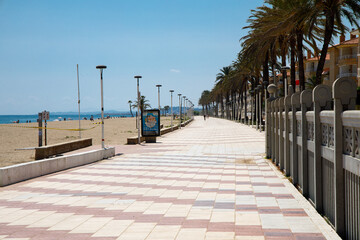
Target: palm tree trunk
283,61
245,100
241,104
227,105
132,115
329,29
299,38
273,62
234,105
266,67
222,106
292,63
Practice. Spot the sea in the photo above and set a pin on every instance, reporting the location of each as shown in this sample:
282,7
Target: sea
7,119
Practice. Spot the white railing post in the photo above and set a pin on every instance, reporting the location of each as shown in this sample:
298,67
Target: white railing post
295,104
281,133
287,105
306,102
344,94
321,98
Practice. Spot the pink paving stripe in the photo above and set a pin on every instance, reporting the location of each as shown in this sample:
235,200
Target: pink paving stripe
251,230
246,207
221,227
294,212
309,236
269,210
283,196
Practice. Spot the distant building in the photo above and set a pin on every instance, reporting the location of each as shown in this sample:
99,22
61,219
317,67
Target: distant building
344,59
311,64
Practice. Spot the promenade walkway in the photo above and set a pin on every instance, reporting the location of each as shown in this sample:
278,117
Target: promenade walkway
206,181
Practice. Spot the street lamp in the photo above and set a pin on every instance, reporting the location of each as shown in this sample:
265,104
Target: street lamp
159,86
102,67
138,108
180,108
285,68
187,107
171,93
272,89
184,113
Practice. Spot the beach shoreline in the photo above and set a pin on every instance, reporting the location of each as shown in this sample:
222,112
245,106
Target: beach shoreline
16,136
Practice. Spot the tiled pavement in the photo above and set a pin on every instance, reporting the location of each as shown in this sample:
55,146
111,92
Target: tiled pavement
207,181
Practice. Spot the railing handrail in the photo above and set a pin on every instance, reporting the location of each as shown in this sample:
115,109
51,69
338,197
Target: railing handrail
327,117
351,118
310,116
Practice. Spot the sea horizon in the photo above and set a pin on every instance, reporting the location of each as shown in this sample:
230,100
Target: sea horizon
59,116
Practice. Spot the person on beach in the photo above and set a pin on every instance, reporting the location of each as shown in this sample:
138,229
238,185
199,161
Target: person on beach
204,117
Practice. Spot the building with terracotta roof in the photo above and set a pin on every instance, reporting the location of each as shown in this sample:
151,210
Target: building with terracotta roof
344,59
311,64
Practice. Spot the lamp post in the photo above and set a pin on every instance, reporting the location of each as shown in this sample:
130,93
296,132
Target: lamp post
138,108
78,83
159,86
102,67
260,106
171,93
285,68
183,105
180,108
252,106
257,107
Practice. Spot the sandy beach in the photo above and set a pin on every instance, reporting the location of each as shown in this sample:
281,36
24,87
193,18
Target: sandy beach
12,139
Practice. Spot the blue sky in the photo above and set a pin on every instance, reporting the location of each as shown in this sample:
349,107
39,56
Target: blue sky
180,44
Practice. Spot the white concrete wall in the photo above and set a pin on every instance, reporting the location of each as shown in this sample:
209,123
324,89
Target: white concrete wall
24,171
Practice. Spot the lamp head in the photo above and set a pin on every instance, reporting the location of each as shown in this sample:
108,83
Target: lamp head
100,66
271,88
137,77
171,91
158,85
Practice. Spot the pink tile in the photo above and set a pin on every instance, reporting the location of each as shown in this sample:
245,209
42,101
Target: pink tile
251,230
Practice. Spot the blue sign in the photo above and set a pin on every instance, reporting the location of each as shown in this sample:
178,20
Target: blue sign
150,123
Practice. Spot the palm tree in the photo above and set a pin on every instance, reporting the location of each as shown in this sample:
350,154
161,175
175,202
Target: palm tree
166,109
223,78
144,103
312,82
334,11
205,101
130,102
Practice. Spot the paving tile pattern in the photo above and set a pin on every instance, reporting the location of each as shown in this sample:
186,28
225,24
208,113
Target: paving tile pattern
207,181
